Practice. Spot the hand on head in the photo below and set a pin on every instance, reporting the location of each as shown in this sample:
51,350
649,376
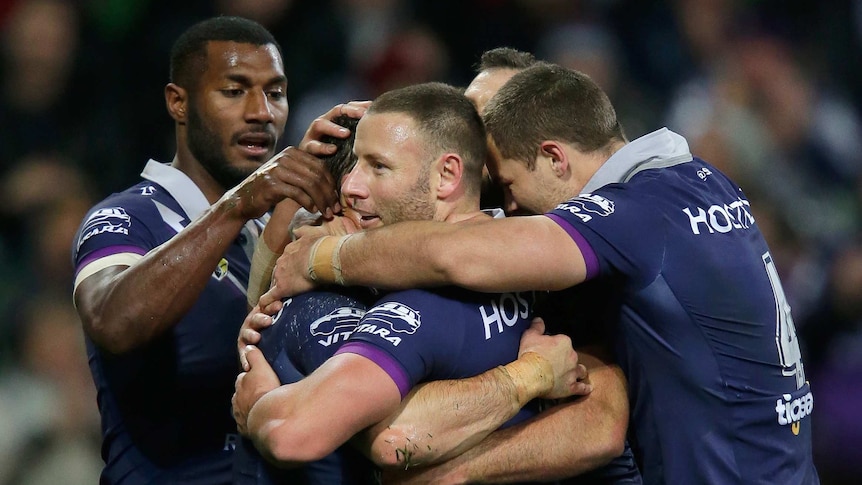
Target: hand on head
291,174
324,126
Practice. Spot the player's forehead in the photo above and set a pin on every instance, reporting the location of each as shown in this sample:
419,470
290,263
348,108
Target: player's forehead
390,135
261,63
501,170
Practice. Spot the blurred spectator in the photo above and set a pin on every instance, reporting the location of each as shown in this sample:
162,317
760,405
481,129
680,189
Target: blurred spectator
590,48
833,338
40,42
412,54
41,198
792,146
50,426
265,12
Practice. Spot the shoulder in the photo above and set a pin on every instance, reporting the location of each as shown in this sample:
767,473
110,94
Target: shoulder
137,199
131,217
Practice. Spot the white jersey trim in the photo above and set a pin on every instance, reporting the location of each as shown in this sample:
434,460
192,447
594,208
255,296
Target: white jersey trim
179,186
119,259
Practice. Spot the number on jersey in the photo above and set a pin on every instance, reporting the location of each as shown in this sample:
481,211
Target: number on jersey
785,332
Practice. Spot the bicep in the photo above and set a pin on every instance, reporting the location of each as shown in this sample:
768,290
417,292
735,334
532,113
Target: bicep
89,295
605,411
345,395
607,379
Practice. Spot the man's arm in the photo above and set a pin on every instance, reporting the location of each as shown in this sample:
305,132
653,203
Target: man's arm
270,244
511,254
324,126
123,307
566,440
305,421
277,232
547,367
441,419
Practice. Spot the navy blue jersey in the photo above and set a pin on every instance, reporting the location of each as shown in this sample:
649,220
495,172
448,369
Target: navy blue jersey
704,335
589,317
445,333
308,330
424,335
165,407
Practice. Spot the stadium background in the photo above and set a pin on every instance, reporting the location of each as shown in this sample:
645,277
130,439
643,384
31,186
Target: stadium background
770,91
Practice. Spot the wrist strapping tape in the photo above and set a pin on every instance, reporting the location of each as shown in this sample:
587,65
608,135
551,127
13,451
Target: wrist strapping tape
324,262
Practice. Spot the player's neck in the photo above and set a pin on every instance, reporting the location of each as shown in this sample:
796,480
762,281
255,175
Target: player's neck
476,214
211,189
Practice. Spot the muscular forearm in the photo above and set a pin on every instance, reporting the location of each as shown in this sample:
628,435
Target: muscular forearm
269,428
270,245
568,439
442,419
122,310
492,255
309,419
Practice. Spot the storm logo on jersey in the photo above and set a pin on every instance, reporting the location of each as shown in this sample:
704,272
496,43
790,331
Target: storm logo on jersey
401,318
109,219
342,319
592,203
390,318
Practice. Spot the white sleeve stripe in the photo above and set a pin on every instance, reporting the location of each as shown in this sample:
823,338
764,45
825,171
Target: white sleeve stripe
119,259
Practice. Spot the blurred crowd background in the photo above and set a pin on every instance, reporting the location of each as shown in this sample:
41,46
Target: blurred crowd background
769,91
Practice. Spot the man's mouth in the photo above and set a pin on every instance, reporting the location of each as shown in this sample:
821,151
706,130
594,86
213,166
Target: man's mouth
256,144
369,221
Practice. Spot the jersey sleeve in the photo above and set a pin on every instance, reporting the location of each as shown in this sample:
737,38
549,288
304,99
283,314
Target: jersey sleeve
616,230
406,336
119,224
115,232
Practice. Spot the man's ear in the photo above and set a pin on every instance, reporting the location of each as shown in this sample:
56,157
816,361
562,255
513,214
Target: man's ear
176,100
450,169
554,154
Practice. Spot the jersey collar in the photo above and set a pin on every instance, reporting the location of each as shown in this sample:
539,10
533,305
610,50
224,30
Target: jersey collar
179,185
659,149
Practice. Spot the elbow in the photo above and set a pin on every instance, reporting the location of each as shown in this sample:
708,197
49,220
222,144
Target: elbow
451,268
106,337
287,453
116,332
384,448
293,448
393,448
120,334
615,443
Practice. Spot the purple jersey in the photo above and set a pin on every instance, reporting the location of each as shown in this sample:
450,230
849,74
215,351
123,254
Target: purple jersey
308,330
446,333
704,332
165,407
449,333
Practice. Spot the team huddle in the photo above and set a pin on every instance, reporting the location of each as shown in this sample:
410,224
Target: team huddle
354,310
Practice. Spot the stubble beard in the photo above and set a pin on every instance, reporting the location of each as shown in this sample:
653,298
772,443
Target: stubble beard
207,147
415,206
